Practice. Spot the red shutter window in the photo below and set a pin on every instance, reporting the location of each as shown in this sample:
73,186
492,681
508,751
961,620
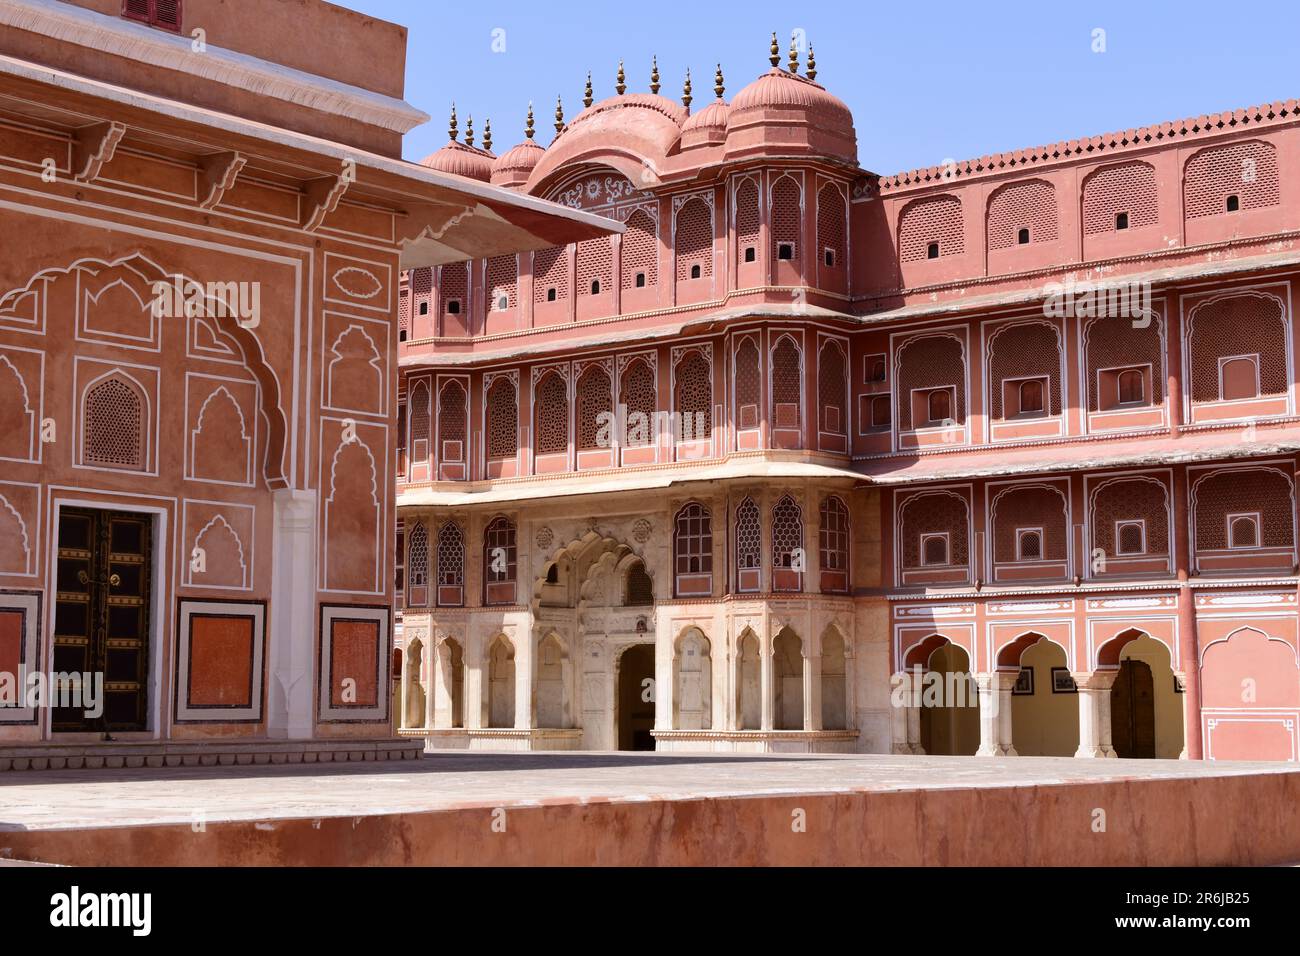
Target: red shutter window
165,14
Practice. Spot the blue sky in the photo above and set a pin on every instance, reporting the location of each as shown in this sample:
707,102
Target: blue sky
925,81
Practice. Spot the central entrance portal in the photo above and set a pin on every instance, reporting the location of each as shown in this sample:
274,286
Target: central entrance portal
101,621
636,698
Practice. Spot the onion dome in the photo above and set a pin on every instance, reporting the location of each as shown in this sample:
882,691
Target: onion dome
460,159
515,165
783,110
708,127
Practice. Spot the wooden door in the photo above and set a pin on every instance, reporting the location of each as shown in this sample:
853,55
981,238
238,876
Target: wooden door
1133,711
101,623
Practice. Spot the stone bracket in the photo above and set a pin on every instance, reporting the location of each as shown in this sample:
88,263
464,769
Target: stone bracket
322,197
217,173
92,147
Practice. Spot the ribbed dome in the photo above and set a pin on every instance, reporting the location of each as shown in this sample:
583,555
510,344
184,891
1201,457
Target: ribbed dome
781,90
708,127
513,167
461,160
631,101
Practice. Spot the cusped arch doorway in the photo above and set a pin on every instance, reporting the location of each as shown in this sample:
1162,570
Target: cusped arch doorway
636,698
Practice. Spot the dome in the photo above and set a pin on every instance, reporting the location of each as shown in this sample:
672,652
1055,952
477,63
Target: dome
708,127
461,160
783,110
515,165
631,101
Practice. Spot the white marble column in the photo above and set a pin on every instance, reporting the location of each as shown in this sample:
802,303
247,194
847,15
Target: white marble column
441,688
1094,713
995,714
768,685
524,677
293,615
812,693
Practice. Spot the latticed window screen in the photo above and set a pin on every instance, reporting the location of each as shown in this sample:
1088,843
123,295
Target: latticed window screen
502,280
404,314
749,536
749,384
787,200
453,286
834,535
638,397
502,420
640,253
1031,545
1245,170
832,386
927,221
786,391
595,399
420,415
551,271
935,550
695,394
831,223
500,558
113,426
694,239
417,564
1130,539
693,540
747,219
552,398
1130,189
1110,343
787,533
595,265
1238,325
421,288
931,361
1265,490
1030,205
1037,508
934,513
640,588
1131,500
451,555
1031,350
451,412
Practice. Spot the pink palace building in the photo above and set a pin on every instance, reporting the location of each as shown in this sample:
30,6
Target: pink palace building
994,458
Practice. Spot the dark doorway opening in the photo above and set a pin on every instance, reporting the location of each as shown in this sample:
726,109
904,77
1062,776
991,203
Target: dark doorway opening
636,698
101,621
1133,711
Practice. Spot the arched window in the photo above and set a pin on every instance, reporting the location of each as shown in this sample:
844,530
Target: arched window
552,415
786,390
502,420
638,397
1131,390
934,549
417,565
830,227
595,409
113,433
940,405
1031,397
694,240
747,221
788,559
451,565
452,424
421,423
640,590
787,219
500,561
748,385
640,251
694,397
749,547
1130,538
1031,545
832,387
834,541
693,550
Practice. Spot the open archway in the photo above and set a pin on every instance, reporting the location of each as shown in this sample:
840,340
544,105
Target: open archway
636,698
1146,709
949,703
1044,706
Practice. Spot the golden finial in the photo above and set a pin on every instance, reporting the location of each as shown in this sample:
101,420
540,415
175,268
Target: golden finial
812,63
586,97
686,91
794,55
717,82
774,56
469,131
528,126
654,74
620,87
487,135
451,125
559,116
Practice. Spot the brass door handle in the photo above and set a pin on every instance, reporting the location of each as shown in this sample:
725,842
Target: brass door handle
83,577
114,580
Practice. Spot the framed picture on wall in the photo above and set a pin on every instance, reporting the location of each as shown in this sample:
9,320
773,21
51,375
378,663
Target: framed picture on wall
1063,681
1024,685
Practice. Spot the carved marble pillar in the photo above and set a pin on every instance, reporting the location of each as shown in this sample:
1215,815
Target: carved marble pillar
812,693
995,714
1094,713
293,613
